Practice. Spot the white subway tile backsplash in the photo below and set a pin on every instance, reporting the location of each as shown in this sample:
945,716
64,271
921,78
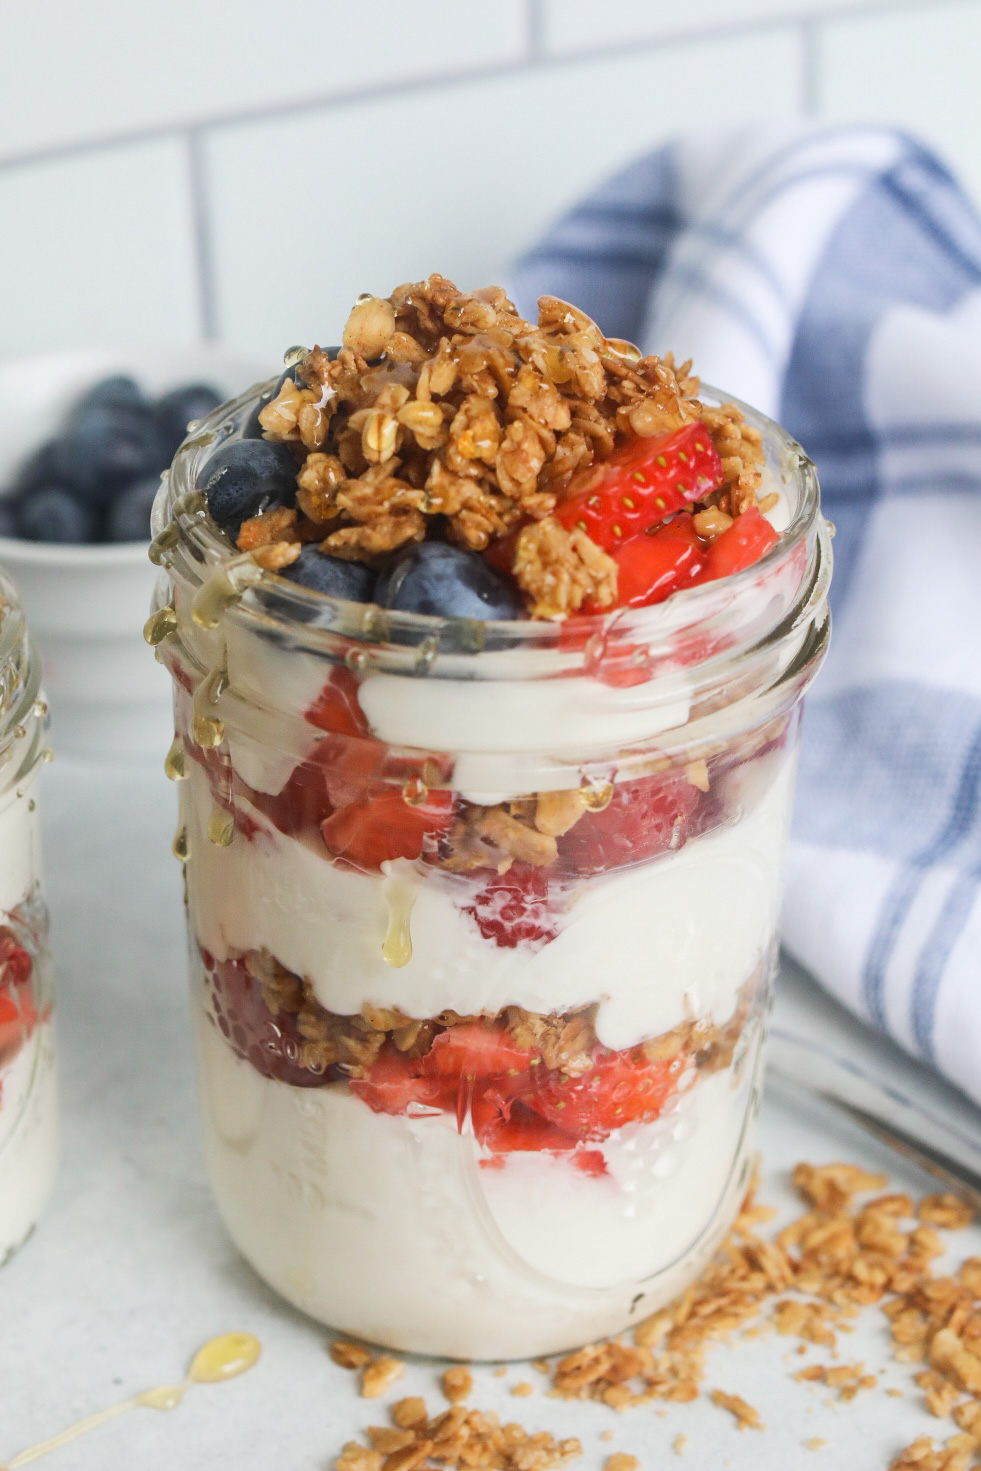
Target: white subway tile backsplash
577,25
98,249
70,72
916,69
307,212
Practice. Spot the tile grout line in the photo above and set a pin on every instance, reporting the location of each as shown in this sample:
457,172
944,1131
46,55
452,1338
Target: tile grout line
440,81
809,44
201,235
536,30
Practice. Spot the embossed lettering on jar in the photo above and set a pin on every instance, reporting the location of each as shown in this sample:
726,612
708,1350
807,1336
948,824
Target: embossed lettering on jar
482,937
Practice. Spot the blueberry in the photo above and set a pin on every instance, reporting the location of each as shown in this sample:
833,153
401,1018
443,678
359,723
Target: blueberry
106,448
246,477
129,515
315,569
447,581
37,470
175,410
51,514
118,391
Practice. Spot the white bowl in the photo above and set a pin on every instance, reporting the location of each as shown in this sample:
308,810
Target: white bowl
86,605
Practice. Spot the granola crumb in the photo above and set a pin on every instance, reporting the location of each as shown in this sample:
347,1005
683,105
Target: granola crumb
410,1412
457,1383
621,1461
744,1414
945,1210
459,1437
522,1389
500,1371
678,1444
814,1443
349,1355
380,1375
606,1435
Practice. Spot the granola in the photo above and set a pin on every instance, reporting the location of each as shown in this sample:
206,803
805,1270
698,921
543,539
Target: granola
446,414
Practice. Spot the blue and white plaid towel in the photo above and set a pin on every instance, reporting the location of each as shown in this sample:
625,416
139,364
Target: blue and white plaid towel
832,277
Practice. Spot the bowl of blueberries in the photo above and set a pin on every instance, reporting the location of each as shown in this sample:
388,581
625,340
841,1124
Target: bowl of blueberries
84,438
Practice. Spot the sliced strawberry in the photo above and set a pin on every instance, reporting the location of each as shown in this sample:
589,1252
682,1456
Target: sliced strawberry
513,908
643,483
477,1051
15,961
380,826
270,1043
620,1088
748,538
644,818
394,1083
336,708
650,568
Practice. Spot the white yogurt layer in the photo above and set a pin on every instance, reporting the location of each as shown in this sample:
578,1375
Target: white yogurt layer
654,946
19,842
389,1228
28,1136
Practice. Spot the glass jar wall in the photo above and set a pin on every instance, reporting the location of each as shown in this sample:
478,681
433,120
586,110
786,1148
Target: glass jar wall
28,1103
482,925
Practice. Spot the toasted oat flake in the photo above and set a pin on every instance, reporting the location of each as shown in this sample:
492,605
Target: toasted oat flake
522,1389
457,1383
814,1443
380,1375
744,1414
349,1355
946,1210
620,1461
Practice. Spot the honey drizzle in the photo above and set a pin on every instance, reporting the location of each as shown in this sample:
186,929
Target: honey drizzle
397,944
221,1358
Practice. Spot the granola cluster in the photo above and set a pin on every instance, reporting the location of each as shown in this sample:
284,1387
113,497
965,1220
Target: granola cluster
446,413
564,1041
843,1254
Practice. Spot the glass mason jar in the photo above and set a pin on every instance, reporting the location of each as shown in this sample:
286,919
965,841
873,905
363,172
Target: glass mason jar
28,1096
482,926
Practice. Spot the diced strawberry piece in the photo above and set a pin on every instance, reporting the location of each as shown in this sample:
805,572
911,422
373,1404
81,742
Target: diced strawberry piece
644,818
478,1050
15,961
336,708
620,1088
270,1043
642,484
651,568
395,1084
513,908
748,538
381,826
18,1018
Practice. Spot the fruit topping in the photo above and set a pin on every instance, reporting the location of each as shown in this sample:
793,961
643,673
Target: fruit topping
179,408
53,515
272,1044
315,569
620,1088
448,582
642,484
748,539
651,567
244,478
643,819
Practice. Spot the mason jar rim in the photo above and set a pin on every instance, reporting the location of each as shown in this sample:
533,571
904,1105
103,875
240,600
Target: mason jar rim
317,620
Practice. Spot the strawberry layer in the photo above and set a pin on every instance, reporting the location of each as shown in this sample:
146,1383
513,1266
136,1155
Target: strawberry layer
483,1263
654,946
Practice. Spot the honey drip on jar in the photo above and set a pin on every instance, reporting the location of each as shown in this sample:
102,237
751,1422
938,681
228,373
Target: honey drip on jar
163,542
596,795
160,625
206,727
219,1359
181,848
221,827
175,762
397,944
223,587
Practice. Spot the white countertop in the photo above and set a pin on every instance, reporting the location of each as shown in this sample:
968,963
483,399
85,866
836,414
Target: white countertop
130,1270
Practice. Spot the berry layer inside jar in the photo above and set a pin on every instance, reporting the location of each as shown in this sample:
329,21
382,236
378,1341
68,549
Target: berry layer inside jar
519,1081
19,1014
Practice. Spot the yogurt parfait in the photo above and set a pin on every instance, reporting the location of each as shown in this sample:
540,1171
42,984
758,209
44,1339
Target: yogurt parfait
488,641
28,1106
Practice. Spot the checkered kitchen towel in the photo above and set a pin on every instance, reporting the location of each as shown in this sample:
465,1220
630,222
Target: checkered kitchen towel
832,277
